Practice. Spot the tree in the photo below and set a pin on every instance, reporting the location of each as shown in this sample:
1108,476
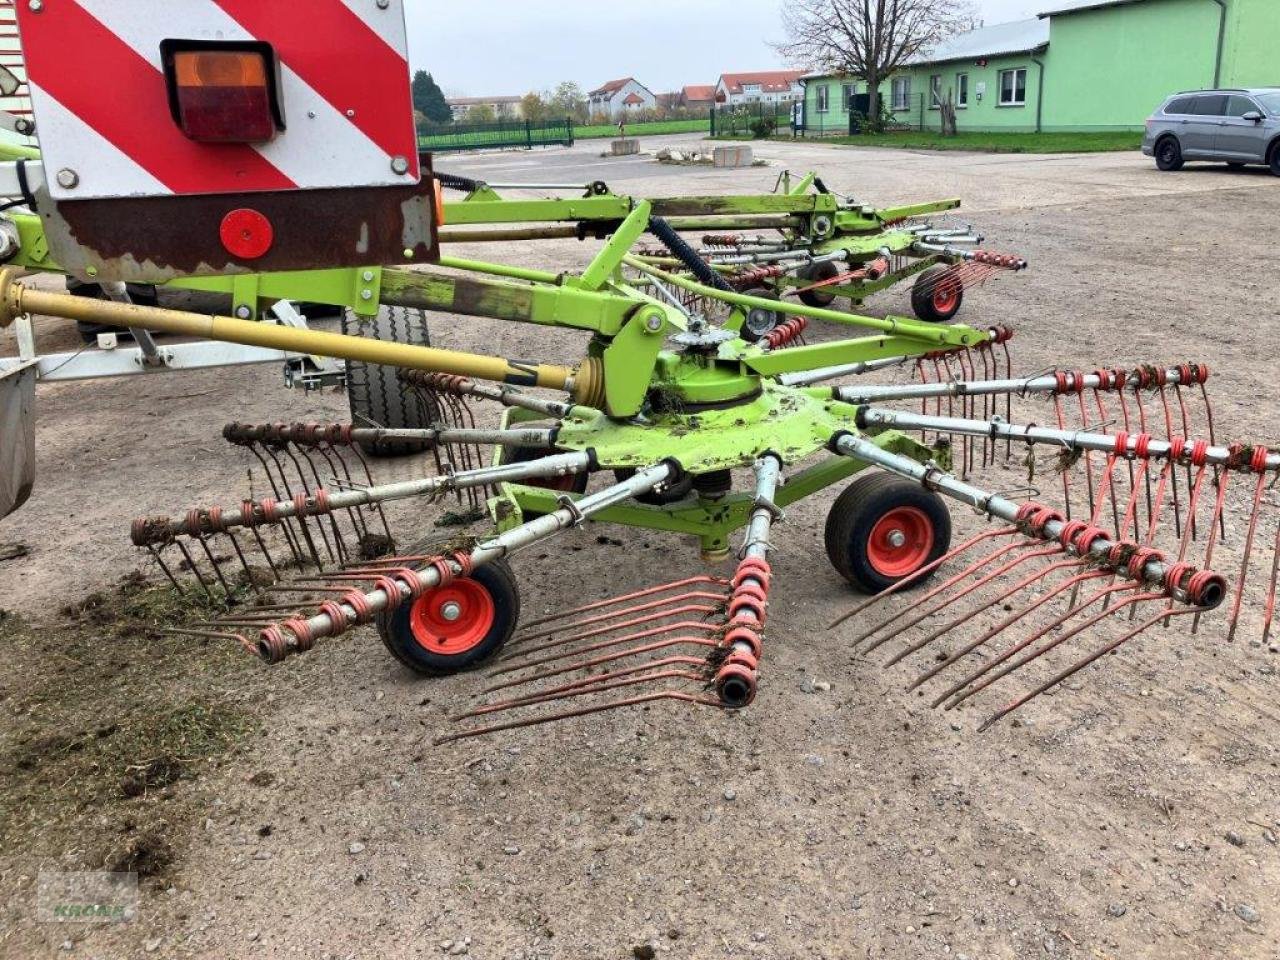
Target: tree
533,107
429,99
868,38
481,113
567,100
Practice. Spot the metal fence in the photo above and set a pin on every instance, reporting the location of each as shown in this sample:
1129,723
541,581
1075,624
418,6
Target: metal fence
766,119
500,134
750,119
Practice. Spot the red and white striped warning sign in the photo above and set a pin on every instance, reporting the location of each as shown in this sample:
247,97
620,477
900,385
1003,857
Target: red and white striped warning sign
103,111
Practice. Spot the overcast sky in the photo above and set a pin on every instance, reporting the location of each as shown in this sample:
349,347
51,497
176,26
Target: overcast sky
490,47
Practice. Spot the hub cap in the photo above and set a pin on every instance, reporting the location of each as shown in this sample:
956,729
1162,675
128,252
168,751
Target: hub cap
946,295
900,542
452,619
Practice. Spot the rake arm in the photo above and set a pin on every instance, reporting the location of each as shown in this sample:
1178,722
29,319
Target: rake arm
643,639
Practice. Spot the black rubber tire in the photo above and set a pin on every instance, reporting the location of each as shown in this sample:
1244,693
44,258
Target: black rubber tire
1169,154
143,294
923,292
855,514
815,274
758,324
374,393
673,493
499,582
569,483
1274,160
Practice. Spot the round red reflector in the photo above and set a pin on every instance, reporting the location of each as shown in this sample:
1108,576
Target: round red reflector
246,233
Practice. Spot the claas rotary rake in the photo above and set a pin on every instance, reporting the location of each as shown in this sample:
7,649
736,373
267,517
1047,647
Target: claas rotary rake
695,407
1144,531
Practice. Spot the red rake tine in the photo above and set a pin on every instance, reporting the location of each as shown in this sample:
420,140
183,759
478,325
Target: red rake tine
702,701
1081,664
605,644
924,571
600,661
597,684
690,608
977,584
998,629
969,614
637,595
616,614
1108,611
1259,489
1017,648
1270,610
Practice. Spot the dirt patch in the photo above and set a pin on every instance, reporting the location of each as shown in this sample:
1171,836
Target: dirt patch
95,738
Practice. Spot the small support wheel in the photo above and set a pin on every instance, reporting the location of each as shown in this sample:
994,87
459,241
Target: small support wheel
884,528
937,294
759,323
827,270
455,627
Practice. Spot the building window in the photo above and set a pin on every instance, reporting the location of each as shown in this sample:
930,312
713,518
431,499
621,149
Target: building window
824,98
901,94
962,90
935,91
1013,87
849,90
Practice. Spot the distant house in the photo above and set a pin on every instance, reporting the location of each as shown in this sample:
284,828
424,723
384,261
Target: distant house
697,97
668,101
769,86
620,98
504,108
1084,65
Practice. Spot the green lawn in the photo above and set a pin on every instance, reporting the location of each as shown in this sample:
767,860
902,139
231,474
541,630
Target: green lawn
1097,142
598,131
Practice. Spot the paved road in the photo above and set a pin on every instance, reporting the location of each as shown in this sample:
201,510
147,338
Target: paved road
987,182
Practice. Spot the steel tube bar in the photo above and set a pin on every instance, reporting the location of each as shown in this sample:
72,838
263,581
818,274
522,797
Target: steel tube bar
557,465
809,377
500,546
1076,439
959,388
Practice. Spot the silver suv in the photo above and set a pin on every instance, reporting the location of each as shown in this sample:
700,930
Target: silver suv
1232,126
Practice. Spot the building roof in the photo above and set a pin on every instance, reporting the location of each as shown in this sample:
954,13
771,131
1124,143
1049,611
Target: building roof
1077,6
632,99
613,86
699,92
1021,36
477,101
770,81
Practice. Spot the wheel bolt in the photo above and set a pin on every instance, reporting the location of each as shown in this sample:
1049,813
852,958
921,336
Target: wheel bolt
897,539
451,611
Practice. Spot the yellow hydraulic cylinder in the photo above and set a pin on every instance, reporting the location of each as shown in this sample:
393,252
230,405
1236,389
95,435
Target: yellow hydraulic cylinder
17,299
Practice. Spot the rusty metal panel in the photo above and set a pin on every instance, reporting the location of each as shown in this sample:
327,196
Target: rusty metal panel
154,239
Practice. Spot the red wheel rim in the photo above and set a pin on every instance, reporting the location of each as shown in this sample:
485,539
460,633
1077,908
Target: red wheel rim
452,619
946,295
900,542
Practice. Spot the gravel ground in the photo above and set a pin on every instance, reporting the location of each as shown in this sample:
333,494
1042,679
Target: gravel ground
1133,817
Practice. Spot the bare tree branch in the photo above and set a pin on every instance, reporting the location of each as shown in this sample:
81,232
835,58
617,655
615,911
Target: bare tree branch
869,39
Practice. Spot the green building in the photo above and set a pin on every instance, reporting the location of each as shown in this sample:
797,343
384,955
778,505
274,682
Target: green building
1087,65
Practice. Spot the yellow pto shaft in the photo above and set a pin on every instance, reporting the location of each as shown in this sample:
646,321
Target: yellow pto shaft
17,299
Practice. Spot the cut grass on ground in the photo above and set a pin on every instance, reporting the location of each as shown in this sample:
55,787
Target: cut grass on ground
107,718
1084,142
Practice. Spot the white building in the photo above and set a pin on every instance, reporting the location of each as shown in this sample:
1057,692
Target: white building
618,99
768,86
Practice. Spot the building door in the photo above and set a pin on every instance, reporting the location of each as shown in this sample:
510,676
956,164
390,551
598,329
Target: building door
1238,138
1201,130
